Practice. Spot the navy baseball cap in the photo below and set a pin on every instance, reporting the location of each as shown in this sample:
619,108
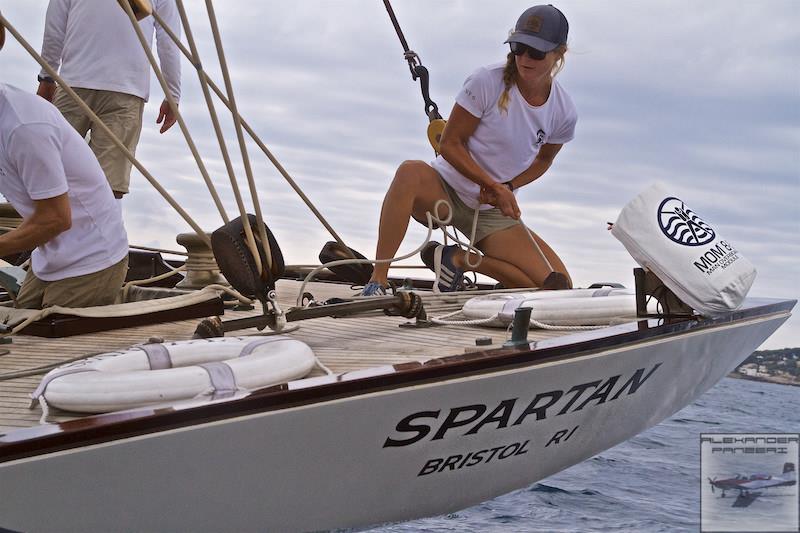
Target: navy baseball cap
541,27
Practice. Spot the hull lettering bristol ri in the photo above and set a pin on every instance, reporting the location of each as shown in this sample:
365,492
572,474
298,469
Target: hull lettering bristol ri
470,419
459,461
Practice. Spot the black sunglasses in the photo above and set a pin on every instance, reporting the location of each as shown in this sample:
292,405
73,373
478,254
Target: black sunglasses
518,49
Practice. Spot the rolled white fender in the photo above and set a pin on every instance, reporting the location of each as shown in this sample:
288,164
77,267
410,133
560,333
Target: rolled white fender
169,372
575,307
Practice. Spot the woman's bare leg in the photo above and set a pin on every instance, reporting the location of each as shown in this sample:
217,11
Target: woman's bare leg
503,271
511,258
415,189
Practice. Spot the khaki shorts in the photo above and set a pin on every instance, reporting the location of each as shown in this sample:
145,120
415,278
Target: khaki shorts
489,220
122,113
97,288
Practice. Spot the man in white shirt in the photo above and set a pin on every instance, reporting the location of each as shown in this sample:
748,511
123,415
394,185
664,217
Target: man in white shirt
70,216
100,56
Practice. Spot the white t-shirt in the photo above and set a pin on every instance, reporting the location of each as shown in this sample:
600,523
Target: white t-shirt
505,144
42,156
97,47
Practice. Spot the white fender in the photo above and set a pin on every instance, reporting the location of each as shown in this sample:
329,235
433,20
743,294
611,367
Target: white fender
135,378
574,307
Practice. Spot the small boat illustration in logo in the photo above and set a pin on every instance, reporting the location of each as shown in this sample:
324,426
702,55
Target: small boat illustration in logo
680,224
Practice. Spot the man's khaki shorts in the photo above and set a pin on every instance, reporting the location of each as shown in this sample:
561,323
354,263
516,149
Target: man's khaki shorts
122,113
97,288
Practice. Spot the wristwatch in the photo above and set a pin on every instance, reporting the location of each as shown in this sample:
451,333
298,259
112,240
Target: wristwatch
509,185
46,79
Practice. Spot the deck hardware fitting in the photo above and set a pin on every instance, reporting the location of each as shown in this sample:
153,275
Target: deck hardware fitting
519,327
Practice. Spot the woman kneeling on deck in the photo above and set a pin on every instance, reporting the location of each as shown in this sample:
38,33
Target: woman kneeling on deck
508,123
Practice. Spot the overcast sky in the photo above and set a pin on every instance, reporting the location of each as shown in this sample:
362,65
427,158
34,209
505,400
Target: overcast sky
704,97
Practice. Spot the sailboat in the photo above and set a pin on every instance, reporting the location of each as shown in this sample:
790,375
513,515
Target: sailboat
400,413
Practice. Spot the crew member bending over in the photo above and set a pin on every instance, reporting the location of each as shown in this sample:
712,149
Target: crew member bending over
70,216
509,122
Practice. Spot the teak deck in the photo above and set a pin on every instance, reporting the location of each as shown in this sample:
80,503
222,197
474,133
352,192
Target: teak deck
342,344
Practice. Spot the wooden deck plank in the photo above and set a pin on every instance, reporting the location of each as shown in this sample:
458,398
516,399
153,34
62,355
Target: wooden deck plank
342,344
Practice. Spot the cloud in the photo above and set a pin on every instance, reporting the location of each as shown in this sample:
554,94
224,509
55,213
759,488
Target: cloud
700,96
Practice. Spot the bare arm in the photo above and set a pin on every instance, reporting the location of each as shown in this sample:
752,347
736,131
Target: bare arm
543,160
35,151
460,127
51,217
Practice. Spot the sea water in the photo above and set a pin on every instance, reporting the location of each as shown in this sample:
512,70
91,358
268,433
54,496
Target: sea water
651,483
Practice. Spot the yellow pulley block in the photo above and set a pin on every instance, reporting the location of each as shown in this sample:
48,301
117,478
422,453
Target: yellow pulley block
141,8
435,129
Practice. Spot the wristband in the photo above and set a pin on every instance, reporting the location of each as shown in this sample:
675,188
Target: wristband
509,185
46,79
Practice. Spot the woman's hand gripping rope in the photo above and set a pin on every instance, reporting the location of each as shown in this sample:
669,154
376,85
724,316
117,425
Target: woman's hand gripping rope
501,197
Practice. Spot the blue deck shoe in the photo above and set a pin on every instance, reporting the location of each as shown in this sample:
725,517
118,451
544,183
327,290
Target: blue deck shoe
373,288
439,258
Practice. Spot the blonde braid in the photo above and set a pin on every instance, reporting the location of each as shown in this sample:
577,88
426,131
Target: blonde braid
560,52
509,79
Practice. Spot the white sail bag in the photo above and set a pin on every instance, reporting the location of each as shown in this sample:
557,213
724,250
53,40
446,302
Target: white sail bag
663,235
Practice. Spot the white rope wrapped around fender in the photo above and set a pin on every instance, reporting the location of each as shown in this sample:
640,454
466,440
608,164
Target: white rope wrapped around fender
542,325
443,320
564,310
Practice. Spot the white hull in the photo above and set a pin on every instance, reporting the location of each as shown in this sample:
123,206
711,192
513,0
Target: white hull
324,465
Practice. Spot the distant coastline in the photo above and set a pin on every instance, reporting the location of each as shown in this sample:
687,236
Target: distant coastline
766,379
771,366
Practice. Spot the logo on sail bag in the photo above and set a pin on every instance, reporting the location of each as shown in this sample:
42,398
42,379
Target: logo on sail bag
692,260
680,224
